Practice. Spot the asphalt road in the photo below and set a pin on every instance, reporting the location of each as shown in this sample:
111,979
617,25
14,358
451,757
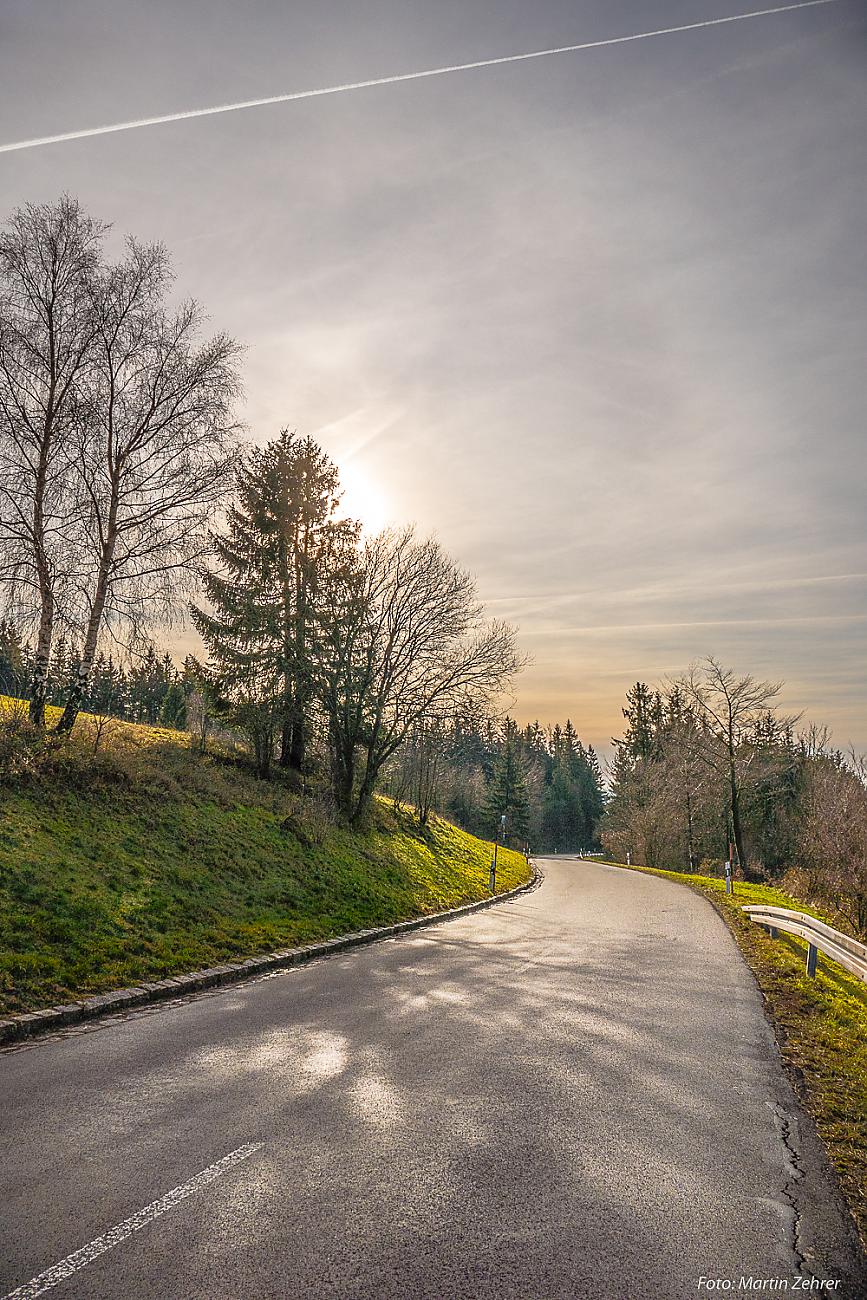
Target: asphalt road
574,1094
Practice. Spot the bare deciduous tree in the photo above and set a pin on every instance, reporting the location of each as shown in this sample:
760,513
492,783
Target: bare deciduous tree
834,834
49,257
405,640
155,452
730,710
417,769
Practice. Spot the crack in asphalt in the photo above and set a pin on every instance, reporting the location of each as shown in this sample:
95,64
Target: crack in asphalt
785,1128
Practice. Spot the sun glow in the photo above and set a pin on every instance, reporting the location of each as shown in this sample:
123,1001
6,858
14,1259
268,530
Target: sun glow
363,499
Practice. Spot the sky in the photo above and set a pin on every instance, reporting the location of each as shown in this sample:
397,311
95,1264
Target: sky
597,320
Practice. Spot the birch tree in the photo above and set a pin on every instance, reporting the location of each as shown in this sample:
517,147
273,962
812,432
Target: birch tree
155,452
49,259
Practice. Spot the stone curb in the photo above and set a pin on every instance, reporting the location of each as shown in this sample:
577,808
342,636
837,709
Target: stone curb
105,1004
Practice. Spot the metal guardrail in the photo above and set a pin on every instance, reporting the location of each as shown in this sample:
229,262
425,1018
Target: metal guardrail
843,949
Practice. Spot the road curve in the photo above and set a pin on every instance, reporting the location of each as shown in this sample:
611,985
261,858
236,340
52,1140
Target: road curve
575,1094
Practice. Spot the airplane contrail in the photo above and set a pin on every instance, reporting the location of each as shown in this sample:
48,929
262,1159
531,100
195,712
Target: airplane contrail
390,81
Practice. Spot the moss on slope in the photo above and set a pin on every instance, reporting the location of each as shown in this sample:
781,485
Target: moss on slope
147,860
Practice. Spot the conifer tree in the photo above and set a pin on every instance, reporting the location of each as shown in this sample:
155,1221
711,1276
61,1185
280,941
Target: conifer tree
13,660
640,712
59,669
508,792
148,684
261,632
107,688
174,707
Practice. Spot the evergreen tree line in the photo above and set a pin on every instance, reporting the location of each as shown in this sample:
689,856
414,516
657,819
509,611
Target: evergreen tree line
149,690
709,768
548,785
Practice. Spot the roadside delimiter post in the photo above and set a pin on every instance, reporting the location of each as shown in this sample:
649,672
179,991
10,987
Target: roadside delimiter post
501,828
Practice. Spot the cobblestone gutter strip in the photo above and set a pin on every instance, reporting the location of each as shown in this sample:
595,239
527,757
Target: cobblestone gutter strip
16,1028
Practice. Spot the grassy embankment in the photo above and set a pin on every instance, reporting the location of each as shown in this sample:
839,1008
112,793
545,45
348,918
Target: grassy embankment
821,1024
147,860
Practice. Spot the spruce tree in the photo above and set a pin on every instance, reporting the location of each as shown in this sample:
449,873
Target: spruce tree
573,800
507,792
174,707
640,713
148,684
13,660
107,691
261,631
559,796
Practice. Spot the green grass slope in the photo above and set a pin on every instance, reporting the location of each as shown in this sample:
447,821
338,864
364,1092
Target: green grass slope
147,860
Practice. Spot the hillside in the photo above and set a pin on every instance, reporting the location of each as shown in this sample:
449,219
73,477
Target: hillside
146,860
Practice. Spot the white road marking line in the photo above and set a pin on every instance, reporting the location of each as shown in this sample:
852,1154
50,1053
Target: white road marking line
402,76
45,1281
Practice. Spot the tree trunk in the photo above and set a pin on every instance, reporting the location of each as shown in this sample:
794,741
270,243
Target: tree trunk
293,741
690,848
264,746
345,786
286,739
343,776
737,828
39,679
42,658
94,623
372,768
298,748
363,801
76,695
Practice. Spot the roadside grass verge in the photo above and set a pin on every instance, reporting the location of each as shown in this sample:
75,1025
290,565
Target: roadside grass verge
820,1023
148,860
